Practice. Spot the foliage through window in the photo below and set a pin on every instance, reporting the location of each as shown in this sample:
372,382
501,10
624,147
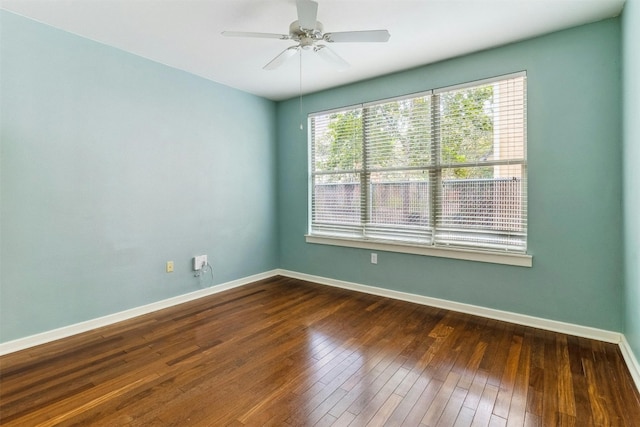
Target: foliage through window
442,168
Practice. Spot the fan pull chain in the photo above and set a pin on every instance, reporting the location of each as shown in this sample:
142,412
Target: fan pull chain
301,127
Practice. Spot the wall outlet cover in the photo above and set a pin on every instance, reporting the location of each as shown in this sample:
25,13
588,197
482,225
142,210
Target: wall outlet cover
199,262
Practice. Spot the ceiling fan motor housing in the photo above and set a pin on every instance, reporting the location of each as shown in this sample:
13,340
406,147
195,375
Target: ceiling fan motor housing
306,37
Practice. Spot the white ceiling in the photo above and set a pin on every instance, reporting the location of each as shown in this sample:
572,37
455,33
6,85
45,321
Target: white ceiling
185,34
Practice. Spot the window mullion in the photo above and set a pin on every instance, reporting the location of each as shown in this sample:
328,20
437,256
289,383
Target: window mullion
365,178
435,174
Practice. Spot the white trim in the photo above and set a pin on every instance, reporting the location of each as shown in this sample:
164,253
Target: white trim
506,316
334,110
506,258
77,328
428,92
480,82
630,359
521,319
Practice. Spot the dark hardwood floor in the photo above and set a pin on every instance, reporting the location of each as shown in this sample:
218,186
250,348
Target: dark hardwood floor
286,352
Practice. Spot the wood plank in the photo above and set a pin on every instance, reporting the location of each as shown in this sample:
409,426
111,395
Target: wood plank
440,400
385,411
484,411
507,383
454,405
519,399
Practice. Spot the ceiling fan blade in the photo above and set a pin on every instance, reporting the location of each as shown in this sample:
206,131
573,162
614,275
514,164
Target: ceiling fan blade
330,56
281,58
357,36
307,14
255,35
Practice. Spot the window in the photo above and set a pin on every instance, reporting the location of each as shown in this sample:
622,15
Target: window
442,169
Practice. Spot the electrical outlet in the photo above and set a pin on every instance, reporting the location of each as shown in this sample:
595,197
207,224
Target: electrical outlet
199,262
169,266
374,258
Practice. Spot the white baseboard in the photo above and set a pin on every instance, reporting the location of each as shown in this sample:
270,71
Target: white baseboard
520,319
67,331
630,359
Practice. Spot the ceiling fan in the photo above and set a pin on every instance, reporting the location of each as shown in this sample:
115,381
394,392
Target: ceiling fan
307,32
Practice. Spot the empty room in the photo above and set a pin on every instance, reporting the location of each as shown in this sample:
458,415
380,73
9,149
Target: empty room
331,213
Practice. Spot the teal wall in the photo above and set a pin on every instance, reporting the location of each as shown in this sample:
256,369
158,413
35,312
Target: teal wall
631,96
575,184
112,165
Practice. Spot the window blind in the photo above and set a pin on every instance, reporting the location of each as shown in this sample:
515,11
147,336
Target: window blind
481,200
442,168
337,169
397,156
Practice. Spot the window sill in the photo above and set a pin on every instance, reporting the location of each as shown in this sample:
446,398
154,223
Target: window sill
520,260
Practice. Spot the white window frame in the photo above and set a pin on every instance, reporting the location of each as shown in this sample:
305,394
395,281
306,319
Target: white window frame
490,255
